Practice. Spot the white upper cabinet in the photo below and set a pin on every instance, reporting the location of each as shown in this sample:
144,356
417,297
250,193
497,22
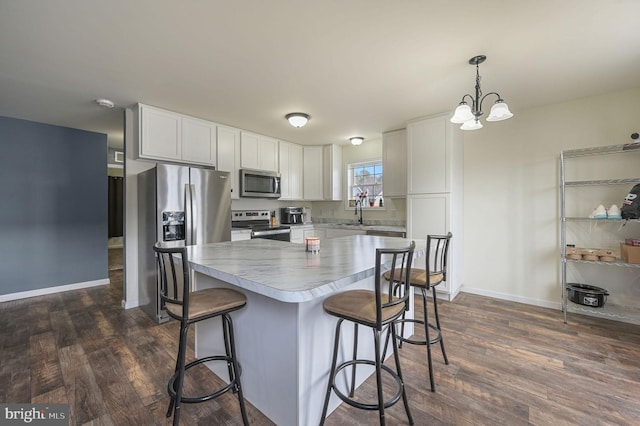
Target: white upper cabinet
312,169
332,172
394,163
258,152
166,135
430,165
229,156
290,169
160,134
198,141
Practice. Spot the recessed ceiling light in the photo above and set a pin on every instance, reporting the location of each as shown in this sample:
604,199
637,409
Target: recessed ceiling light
105,103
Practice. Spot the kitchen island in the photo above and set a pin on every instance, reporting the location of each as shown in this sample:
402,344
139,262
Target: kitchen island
283,337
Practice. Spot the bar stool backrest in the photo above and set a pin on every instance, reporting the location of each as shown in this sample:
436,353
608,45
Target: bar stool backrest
400,261
173,273
436,258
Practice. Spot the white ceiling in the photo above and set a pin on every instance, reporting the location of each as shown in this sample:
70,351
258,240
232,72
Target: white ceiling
358,67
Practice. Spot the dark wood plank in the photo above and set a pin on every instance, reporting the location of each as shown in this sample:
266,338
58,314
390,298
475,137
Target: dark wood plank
83,392
44,365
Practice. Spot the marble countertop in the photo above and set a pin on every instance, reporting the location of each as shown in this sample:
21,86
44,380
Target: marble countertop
286,272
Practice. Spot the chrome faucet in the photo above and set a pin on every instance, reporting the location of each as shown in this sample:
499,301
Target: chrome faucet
359,203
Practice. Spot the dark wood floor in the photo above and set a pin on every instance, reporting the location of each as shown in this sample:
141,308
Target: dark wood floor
510,364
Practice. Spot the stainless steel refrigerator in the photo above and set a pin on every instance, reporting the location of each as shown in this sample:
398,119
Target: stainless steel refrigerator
178,205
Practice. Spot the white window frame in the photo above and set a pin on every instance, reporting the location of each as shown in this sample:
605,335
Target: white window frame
349,202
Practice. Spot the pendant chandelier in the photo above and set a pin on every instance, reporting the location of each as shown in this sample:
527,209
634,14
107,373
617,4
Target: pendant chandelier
469,116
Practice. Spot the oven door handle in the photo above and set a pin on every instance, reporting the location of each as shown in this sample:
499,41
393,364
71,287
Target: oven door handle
270,232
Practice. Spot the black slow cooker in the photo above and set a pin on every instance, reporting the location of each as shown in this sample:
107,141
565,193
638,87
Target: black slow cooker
588,295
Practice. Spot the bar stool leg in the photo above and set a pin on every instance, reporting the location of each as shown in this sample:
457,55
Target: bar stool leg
396,356
332,372
427,338
355,356
435,311
376,345
182,353
227,350
228,324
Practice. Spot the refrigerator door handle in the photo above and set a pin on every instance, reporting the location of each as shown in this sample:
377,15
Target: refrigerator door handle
194,215
188,214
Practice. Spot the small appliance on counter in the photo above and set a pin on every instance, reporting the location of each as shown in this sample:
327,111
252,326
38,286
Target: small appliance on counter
292,215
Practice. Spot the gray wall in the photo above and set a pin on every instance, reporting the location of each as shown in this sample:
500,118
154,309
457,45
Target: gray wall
53,206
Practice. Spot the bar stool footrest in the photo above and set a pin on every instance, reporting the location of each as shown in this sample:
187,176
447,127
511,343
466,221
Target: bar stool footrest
436,339
196,399
361,405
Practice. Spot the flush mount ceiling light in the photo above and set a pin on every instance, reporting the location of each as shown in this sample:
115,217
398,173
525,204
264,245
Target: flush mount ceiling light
297,119
469,116
105,103
356,140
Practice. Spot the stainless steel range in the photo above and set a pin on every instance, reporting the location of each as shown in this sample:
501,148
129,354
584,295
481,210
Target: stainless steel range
258,221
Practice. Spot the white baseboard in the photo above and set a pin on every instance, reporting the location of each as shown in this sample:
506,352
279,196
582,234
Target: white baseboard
512,298
51,290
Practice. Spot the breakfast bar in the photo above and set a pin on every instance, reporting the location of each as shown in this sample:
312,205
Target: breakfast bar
283,336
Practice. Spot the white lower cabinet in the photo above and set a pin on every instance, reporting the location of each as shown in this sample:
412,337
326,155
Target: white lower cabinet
299,232
240,234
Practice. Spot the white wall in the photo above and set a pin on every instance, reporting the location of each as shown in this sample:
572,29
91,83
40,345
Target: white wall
511,192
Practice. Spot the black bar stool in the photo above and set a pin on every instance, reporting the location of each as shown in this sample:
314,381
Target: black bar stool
376,309
188,308
425,280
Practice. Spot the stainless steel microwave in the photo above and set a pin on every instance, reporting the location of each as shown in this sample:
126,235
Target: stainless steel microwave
259,184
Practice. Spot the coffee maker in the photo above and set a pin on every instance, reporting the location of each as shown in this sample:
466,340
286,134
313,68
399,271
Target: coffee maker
292,215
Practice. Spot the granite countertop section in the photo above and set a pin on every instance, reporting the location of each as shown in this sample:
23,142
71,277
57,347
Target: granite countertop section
286,272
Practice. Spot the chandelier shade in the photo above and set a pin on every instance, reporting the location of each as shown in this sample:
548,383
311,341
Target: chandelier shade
469,115
473,124
499,111
462,114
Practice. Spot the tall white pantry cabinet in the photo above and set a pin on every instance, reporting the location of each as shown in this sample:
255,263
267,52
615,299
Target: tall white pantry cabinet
434,189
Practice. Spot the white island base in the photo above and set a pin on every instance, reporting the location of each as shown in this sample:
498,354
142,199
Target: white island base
285,347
